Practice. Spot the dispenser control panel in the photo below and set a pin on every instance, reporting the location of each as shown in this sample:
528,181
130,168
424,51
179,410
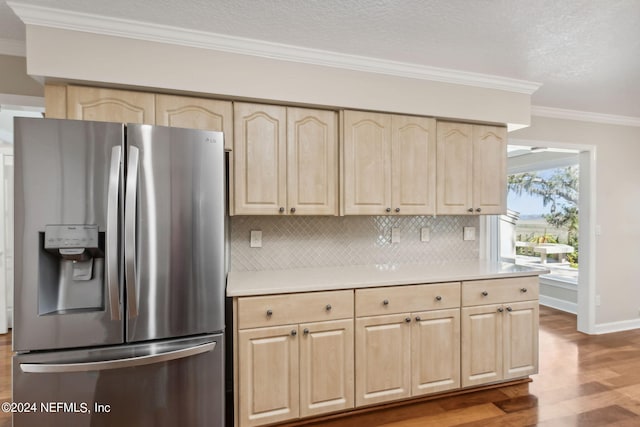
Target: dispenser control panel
70,236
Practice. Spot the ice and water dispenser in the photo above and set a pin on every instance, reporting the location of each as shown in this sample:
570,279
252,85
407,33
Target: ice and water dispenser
71,275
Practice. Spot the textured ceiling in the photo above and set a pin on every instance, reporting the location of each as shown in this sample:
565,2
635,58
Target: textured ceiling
585,52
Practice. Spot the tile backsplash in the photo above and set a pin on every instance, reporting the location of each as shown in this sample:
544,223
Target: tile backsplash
313,241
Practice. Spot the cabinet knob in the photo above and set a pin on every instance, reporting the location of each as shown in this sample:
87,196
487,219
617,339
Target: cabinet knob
478,210
397,209
293,210
281,210
388,210
438,298
407,319
523,290
418,318
305,331
328,307
500,310
385,302
509,308
294,332
485,293
470,210
269,312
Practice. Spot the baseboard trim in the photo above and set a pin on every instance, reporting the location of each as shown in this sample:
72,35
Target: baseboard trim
624,325
559,304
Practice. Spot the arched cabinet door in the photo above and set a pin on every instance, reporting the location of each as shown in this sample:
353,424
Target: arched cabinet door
110,105
196,113
259,159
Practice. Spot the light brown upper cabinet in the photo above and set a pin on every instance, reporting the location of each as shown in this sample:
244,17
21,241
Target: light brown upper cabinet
388,164
110,105
471,172
285,161
196,113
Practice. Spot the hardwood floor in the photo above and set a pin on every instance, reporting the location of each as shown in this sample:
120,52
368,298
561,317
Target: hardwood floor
584,381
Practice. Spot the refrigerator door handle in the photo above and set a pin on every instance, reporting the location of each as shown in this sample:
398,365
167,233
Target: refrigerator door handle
56,368
112,233
130,231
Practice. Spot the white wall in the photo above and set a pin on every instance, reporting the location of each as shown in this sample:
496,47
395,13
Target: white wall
617,194
99,59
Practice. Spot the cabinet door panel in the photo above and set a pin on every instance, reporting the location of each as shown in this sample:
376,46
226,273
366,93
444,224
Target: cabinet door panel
490,169
268,375
521,339
481,345
326,367
196,113
435,350
259,159
367,163
110,105
413,179
455,168
312,162
383,359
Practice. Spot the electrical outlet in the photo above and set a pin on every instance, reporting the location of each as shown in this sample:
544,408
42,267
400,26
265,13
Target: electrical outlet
597,300
256,239
395,235
425,234
468,233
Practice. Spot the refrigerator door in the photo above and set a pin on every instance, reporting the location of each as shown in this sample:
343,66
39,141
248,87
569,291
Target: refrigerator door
174,238
68,178
167,383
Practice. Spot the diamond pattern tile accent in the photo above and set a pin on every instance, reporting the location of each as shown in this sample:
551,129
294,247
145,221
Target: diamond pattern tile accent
310,241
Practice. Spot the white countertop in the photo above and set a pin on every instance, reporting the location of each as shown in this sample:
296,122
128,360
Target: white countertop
247,283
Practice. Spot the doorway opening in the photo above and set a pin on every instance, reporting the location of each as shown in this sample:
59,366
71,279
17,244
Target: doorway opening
585,307
7,113
541,227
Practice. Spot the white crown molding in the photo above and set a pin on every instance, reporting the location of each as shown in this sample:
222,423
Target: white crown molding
12,47
584,116
77,21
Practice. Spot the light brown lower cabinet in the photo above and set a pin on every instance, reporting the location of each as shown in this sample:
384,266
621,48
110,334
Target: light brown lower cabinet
306,354
406,355
292,371
499,342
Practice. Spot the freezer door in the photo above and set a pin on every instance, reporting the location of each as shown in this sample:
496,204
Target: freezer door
174,232
68,177
170,383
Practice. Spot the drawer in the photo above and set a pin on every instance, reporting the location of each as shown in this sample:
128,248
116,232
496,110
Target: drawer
496,291
283,309
402,299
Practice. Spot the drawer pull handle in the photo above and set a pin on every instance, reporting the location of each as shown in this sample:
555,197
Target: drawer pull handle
500,310
418,318
407,319
294,332
485,293
328,307
281,210
385,302
438,298
306,331
523,290
509,309
269,312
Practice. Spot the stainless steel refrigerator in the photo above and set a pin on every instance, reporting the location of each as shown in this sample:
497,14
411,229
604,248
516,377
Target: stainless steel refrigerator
120,273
